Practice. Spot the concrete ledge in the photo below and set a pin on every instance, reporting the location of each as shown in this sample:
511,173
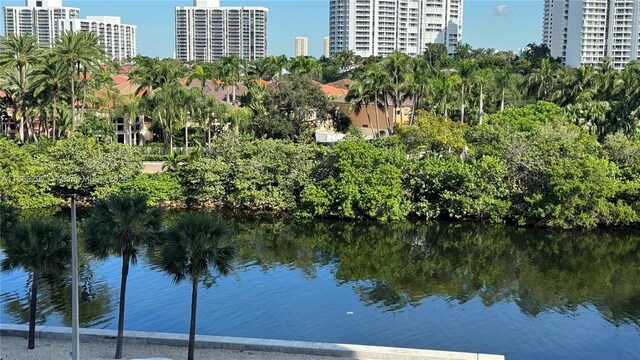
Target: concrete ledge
247,344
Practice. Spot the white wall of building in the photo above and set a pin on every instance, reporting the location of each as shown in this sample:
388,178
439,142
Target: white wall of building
379,27
584,32
36,20
119,40
207,32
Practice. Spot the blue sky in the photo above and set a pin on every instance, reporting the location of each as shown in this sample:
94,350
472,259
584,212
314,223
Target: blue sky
503,25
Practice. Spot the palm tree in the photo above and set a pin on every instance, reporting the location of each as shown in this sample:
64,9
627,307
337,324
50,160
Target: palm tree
397,65
196,246
201,72
20,52
359,97
278,64
37,246
504,81
377,82
416,82
445,83
231,73
306,66
78,51
121,226
482,78
261,69
465,68
542,81
49,80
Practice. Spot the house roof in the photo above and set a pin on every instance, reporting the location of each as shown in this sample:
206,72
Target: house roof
216,89
119,78
341,84
333,91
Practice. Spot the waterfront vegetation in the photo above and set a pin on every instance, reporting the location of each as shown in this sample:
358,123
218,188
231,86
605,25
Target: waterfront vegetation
526,170
491,137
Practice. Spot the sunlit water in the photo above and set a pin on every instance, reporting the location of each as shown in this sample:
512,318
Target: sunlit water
524,293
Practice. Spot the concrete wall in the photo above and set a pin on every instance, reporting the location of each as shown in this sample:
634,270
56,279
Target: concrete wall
247,344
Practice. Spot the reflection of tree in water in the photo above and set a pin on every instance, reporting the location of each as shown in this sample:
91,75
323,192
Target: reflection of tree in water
54,299
395,265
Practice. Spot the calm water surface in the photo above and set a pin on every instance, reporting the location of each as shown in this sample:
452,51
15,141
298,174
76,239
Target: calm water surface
525,293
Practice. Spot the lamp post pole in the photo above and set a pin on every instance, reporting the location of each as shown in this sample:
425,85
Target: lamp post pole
75,336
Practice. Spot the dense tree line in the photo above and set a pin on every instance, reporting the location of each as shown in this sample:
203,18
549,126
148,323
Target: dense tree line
493,136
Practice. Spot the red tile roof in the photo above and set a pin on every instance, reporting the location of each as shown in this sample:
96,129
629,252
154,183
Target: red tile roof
119,78
341,84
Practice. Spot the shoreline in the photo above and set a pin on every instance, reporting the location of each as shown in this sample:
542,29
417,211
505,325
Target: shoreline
178,342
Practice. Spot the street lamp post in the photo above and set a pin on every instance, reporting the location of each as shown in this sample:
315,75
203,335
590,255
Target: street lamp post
75,336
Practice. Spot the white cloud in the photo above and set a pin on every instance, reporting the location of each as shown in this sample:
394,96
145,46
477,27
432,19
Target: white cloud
501,10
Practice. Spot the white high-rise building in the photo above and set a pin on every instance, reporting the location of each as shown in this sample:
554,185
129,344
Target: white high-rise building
302,46
38,18
379,27
207,32
119,40
326,47
584,32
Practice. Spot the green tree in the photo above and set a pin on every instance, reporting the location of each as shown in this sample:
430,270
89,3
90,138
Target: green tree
465,70
197,248
21,53
79,51
293,106
306,66
50,79
37,246
122,225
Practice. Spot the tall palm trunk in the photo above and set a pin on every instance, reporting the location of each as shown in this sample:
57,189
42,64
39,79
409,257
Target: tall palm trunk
502,101
84,93
462,106
186,135
23,105
481,115
32,310
73,103
444,104
53,117
366,105
123,291
377,133
386,112
192,326
233,93
416,99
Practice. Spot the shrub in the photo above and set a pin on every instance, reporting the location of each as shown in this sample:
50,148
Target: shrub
452,188
157,187
357,180
90,168
25,181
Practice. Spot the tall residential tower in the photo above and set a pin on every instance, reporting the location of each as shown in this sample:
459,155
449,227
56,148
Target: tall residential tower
379,27
302,46
38,18
206,31
586,31
119,40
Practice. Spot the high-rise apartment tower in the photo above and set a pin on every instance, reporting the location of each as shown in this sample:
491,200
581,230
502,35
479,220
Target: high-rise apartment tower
206,31
379,27
584,32
302,46
119,40
38,18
